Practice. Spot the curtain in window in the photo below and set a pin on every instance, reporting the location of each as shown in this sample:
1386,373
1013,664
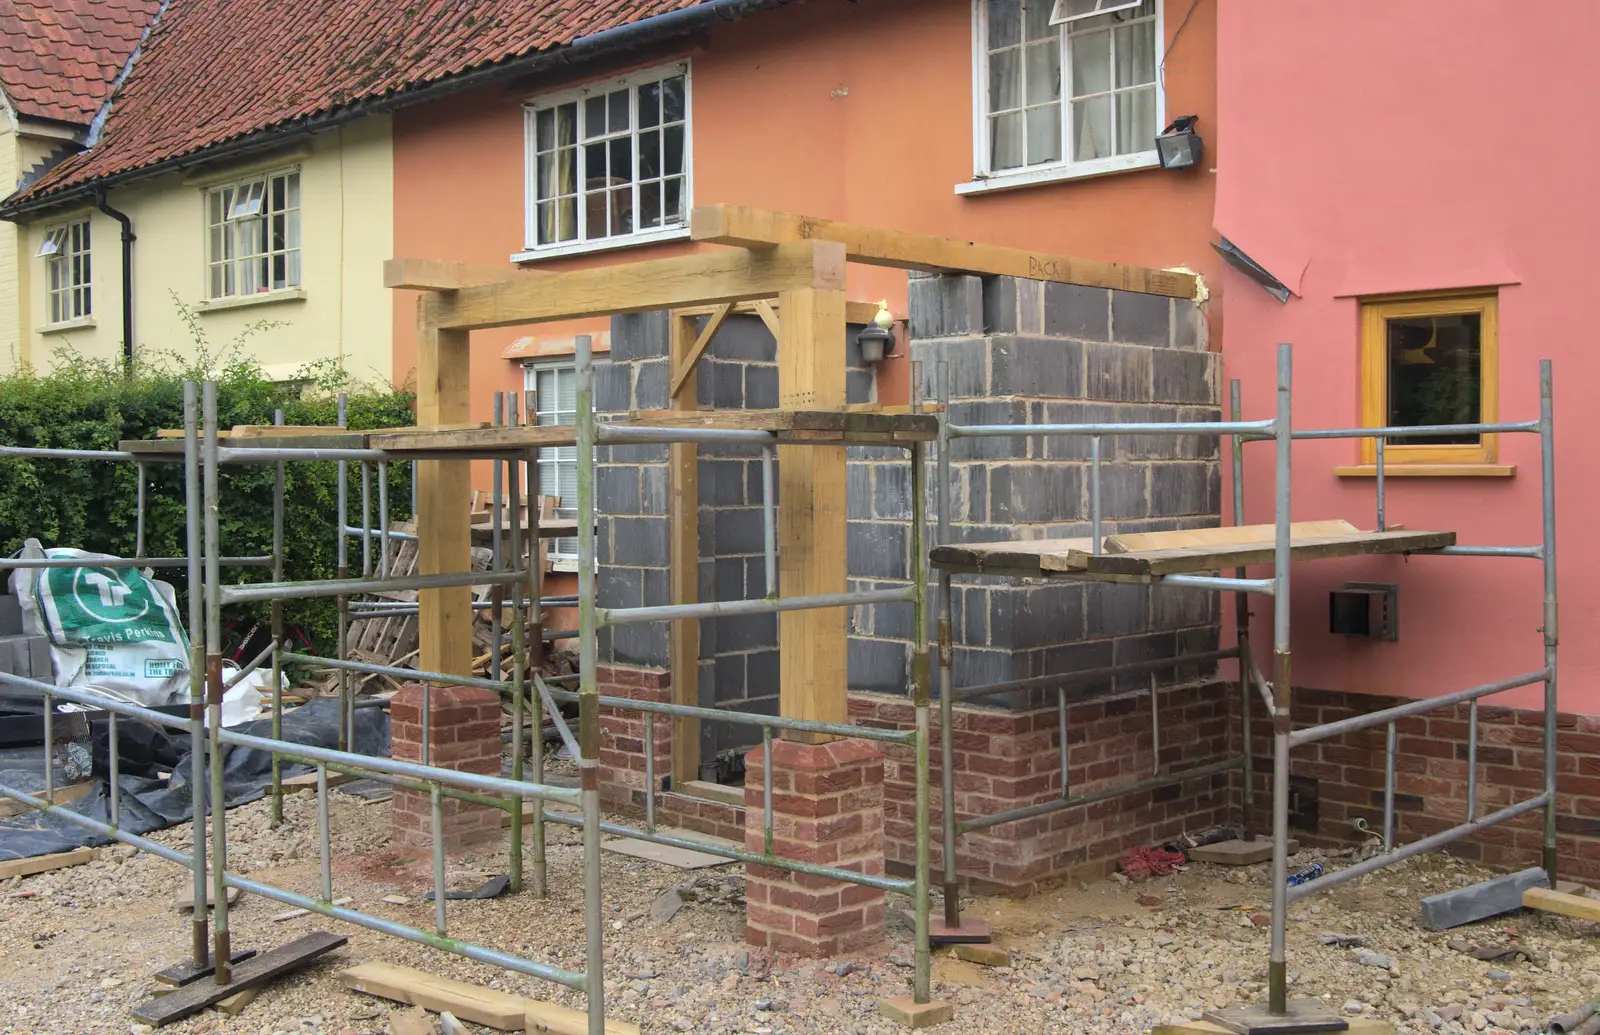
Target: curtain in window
556,136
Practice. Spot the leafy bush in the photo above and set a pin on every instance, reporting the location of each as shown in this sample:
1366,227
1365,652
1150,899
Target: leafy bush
91,505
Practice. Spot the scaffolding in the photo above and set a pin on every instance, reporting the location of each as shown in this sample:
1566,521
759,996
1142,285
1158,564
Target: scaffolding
1177,564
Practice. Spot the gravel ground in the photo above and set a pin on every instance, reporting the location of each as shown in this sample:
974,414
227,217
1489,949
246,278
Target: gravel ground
1087,958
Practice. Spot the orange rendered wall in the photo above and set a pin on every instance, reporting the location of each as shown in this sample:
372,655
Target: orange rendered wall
858,112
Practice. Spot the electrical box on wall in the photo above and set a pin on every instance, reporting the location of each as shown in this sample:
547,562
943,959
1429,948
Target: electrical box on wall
1369,609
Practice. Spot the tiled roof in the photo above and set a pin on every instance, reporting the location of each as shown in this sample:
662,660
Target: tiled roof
58,58
216,70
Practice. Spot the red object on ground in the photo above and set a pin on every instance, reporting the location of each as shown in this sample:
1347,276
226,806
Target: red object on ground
1150,862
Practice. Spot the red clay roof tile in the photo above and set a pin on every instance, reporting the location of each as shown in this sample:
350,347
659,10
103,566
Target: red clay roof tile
59,58
213,70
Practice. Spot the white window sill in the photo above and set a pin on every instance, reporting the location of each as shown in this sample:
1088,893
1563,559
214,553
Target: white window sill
1013,180
78,324
563,562
210,305
604,244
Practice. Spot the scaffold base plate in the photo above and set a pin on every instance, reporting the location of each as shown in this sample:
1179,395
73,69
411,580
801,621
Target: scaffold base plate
1304,1015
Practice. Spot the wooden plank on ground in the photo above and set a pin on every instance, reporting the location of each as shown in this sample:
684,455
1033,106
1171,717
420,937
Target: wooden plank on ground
683,583
811,521
308,782
1178,539
745,227
630,287
1480,901
47,863
1356,1027
180,974
667,855
258,970
470,1002
62,795
1211,558
1547,901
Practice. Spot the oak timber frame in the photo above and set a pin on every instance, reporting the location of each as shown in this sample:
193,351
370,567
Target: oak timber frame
796,261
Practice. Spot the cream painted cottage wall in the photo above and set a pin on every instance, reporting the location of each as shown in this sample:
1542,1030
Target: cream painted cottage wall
341,311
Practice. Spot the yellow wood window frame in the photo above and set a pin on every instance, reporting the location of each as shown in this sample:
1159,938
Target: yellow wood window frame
1375,315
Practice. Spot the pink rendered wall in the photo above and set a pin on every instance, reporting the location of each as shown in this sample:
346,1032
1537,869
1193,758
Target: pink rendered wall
1434,146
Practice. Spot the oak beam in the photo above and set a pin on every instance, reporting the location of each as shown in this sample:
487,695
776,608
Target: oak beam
444,501
434,275
811,513
752,228
683,368
684,553
703,278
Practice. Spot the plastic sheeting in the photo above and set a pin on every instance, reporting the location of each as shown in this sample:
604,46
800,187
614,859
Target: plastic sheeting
149,803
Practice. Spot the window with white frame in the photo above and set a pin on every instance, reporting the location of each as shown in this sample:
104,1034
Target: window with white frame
1067,84
65,251
609,162
554,384
253,235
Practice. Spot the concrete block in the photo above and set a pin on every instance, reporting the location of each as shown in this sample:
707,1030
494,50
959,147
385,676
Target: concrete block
613,383
891,491
1143,646
925,320
1184,377
877,550
858,385
728,678
994,412
1045,616
728,580
858,489
1141,319
1481,901
641,454
727,383
1117,609
973,666
722,483
1176,608
1189,327
638,336
892,621
1117,372
961,304
653,490
640,541
617,489
1030,306
743,337
977,495
746,632
879,666
966,364
1037,367
738,531
657,586
1023,493
1078,447
1124,492
1074,311
761,673
1076,657
761,386
1000,305
619,587
1180,488
641,644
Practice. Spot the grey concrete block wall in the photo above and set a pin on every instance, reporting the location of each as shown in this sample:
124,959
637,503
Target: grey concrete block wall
1025,352
738,666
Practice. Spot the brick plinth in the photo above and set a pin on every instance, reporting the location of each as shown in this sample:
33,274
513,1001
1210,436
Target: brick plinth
622,735
827,804
464,727
1006,760
1431,779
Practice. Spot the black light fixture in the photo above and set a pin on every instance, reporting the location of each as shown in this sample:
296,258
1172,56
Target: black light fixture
1179,145
877,338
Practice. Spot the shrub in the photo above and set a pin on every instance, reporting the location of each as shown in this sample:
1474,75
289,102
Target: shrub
91,505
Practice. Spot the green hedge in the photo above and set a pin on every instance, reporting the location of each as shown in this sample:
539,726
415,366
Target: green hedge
91,505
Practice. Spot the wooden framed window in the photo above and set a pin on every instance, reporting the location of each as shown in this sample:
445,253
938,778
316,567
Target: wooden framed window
1427,360
65,251
253,236
1065,88
609,164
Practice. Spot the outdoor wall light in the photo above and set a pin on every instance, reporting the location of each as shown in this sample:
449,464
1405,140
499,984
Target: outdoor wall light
877,338
1179,145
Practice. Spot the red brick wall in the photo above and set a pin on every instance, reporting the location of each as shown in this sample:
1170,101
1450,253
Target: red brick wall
1431,778
464,728
1006,760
